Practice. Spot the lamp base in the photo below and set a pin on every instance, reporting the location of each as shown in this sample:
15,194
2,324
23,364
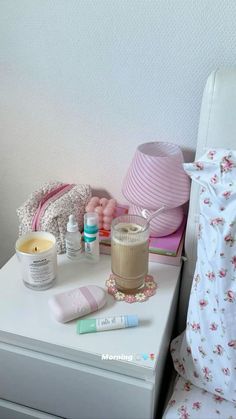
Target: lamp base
165,223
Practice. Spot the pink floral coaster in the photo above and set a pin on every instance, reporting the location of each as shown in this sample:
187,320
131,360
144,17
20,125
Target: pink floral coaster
147,291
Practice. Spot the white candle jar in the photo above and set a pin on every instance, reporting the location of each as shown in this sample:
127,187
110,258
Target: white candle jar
36,252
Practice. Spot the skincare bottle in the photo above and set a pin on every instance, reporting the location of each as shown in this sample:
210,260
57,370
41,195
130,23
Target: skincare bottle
73,239
91,236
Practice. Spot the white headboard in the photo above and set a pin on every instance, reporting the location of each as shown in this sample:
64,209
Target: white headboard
217,128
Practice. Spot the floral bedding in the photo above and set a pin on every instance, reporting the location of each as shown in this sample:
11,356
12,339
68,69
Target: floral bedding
191,402
205,354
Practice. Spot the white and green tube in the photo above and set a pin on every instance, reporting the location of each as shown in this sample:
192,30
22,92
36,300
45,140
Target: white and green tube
106,323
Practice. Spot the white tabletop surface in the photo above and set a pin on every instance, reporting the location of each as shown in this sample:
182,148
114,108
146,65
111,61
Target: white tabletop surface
26,321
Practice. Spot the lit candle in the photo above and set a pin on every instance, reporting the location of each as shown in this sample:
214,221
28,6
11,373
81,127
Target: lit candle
36,245
36,252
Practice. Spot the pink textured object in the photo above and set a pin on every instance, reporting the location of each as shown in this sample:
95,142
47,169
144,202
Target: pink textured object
156,177
108,211
105,208
99,210
77,302
164,223
103,202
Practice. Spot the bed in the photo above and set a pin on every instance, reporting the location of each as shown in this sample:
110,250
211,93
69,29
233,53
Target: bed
217,129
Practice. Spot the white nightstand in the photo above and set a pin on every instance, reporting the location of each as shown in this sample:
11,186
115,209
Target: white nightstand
46,367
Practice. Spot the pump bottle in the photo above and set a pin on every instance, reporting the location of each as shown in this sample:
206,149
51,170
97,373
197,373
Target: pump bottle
91,237
73,239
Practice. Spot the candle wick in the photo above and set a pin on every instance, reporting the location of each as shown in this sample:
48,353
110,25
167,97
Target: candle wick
35,249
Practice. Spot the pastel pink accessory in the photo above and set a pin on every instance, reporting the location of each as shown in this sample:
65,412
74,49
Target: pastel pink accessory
77,302
105,208
51,196
156,179
147,291
48,209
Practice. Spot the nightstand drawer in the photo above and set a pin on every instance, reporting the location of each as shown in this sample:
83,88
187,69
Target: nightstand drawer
9,410
70,389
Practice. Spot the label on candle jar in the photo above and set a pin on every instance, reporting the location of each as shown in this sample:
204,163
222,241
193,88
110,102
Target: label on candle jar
41,271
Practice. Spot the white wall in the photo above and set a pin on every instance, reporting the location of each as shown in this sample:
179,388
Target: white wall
82,83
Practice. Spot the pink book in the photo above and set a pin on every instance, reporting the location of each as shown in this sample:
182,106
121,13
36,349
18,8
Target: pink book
167,245
168,260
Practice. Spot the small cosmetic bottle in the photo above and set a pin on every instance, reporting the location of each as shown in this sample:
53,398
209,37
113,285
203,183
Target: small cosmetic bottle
91,236
73,239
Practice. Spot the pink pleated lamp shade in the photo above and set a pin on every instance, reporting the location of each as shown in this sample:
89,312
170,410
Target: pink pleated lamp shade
156,177
167,222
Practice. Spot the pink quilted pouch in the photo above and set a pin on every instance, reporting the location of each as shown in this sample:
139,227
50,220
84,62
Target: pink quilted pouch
48,209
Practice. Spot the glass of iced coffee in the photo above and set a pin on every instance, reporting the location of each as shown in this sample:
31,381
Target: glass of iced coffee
129,252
